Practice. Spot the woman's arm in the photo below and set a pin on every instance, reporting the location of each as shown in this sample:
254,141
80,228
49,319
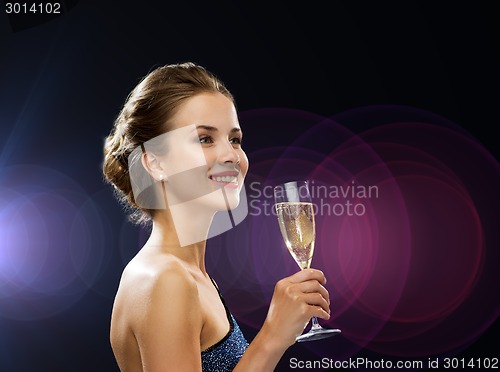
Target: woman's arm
295,300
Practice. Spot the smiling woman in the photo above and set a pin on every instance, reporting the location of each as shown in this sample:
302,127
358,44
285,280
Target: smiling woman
175,156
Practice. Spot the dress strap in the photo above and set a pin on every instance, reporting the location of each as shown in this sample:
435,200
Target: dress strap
229,317
215,285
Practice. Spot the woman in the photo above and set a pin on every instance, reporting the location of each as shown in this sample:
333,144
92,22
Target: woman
175,156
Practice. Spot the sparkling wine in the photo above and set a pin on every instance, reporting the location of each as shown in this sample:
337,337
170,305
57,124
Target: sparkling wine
296,221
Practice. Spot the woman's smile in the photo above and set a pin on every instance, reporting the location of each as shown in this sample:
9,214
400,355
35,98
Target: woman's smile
228,179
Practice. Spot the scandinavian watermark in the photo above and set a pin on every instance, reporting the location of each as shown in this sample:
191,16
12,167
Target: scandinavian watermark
328,200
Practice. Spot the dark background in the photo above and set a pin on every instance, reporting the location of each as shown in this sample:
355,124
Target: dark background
63,82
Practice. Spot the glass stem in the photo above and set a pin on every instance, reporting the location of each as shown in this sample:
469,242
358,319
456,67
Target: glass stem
315,324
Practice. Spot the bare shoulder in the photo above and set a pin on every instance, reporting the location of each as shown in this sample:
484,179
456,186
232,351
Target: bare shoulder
153,284
162,276
155,293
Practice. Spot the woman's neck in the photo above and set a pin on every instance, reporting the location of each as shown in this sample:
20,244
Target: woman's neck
182,234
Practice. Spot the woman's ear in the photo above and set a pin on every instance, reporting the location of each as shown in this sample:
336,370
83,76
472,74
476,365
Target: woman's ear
152,164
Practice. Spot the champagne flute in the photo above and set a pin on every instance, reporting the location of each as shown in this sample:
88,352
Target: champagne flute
296,220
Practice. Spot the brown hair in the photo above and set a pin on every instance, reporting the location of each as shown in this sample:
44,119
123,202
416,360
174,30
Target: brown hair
146,114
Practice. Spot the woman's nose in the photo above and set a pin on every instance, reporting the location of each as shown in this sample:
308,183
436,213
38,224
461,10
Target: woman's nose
226,153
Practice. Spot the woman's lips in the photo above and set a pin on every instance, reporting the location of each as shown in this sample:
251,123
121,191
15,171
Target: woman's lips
225,179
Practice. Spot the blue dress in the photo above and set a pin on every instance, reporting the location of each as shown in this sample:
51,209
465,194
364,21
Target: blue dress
225,354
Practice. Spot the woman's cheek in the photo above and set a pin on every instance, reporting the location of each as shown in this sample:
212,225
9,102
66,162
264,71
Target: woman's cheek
244,162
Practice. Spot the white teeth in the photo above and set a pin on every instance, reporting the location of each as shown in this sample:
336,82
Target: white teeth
226,179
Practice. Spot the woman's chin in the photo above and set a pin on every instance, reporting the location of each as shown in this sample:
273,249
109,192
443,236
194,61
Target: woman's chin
227,203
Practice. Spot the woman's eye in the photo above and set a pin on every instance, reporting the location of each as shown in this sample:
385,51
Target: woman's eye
205,139
235,140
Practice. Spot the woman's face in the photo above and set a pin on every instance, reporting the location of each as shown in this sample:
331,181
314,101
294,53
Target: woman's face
204,162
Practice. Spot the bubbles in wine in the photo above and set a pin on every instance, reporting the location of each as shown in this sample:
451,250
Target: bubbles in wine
297,226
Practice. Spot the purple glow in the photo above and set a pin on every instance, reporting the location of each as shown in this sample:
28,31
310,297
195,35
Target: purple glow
408,276
42,253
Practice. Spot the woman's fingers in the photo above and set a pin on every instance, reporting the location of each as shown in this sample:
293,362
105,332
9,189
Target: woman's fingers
315,301
313,286
308,281
309,292
319,312
296,299
308,274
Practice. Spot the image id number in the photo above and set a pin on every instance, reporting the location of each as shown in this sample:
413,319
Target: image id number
33,8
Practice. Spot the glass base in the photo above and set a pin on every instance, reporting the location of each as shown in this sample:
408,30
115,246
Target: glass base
318,334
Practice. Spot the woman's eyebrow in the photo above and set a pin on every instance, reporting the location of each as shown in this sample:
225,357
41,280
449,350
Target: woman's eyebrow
207,127
214,129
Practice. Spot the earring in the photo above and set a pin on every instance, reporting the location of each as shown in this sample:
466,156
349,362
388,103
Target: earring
162,178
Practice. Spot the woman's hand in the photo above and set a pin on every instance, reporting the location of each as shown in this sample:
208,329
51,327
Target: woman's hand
296,299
